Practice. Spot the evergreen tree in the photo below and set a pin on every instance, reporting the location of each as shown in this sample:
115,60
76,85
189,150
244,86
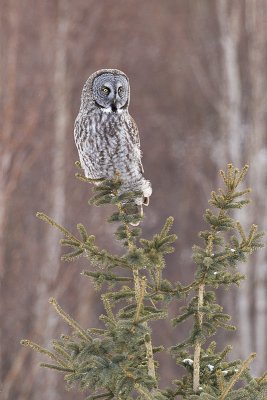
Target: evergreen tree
117,361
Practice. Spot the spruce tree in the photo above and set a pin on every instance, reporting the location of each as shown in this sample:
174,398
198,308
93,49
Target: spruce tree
118,360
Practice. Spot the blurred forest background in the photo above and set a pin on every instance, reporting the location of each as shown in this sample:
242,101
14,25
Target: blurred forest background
199,96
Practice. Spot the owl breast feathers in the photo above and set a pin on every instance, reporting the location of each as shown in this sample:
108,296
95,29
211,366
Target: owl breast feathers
106,135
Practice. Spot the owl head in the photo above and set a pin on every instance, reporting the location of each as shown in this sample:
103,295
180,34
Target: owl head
108,90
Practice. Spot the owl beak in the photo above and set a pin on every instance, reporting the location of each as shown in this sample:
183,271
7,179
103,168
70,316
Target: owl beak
114,105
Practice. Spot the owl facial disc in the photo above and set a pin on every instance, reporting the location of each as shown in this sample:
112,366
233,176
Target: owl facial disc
111,92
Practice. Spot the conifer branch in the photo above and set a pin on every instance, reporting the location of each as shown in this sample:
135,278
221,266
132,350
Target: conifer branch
220,381
150,358
262,379
196,365
136,284
50,221
241,232
56,367
140,297
108,308
83,178
108,276
236,376
140,389
140,287
40,349
60,350
105,396
70,320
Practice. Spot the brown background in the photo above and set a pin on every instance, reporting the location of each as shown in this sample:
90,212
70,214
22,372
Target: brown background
198,94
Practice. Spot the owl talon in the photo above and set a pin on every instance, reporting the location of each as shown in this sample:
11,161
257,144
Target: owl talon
141,213
135,223
146,201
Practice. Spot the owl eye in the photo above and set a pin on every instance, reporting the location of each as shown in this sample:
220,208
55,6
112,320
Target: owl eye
120,90
105,90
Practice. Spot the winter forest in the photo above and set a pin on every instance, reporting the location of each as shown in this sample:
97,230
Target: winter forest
197,72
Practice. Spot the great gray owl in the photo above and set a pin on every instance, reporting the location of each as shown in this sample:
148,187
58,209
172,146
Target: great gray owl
106,135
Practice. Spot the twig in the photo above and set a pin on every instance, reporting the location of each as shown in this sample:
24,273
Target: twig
196,365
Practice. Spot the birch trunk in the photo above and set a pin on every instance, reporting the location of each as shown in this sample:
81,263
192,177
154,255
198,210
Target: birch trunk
233,132
256,14
232,114
2,256
8,98
7,102
51,262
3,221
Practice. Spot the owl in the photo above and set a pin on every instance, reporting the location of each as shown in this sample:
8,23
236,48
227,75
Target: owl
106,135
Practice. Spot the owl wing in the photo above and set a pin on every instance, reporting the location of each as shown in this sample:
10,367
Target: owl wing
136,140
82,141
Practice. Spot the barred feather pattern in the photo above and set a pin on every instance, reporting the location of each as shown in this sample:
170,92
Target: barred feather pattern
108,142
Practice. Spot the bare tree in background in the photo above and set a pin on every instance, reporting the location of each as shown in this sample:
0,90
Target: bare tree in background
232,129
237,91
17,153
255,22
246,132
45,320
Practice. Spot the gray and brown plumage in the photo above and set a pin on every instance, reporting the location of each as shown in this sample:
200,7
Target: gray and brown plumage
106,135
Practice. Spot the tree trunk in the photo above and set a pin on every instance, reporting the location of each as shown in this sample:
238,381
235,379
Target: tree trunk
256,13
233,131
46,319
